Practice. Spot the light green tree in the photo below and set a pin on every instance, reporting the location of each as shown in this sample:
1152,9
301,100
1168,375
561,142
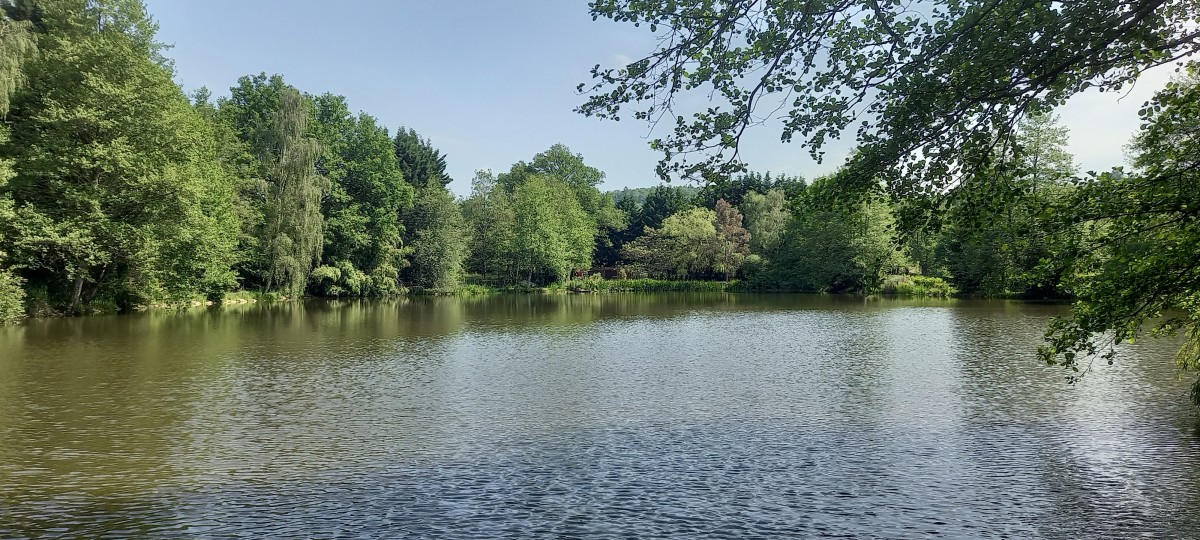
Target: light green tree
767,216
117,192
553,234
16,44
684,246
831,246
559,163
491,225
1042,156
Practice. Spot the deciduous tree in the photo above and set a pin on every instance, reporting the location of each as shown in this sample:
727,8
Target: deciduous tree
437,241
117,192
732,242
1141,262
293,228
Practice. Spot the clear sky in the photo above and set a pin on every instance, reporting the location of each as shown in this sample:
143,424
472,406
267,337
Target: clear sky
492,83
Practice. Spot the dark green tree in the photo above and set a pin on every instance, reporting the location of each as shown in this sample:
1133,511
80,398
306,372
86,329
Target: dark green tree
367,193
436,237
734,190
661,203
994,242
422,164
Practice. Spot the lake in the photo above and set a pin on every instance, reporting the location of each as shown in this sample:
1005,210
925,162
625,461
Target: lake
608,416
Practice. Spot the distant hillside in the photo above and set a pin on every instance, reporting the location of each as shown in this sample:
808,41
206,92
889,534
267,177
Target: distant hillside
639,194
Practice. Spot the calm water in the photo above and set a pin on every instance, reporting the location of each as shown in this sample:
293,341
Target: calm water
607,416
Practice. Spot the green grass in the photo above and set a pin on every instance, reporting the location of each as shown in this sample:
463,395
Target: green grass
471,289
595,284
917,286
240,297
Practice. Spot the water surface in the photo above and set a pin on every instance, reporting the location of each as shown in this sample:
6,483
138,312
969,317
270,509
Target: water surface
689,416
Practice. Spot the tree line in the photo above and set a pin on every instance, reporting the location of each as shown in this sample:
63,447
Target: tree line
117,191
783,233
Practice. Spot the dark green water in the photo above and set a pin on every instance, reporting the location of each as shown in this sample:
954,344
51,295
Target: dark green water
689,416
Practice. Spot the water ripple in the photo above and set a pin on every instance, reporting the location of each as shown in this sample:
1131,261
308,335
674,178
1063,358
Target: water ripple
603,417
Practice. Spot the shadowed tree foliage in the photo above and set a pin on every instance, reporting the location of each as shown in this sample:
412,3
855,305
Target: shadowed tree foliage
1142,262
638,195
833,247
994,242
734,189
661,203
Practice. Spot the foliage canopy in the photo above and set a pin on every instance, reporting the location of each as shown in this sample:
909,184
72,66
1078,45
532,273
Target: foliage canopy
930,88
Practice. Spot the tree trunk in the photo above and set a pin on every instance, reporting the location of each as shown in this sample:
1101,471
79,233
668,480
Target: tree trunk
96,288
76,292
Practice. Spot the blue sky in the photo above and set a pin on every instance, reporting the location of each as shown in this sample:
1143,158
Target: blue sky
491,83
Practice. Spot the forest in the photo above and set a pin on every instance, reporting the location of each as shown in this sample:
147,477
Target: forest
118,192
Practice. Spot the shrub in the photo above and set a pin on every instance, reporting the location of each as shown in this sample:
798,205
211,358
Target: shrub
12,297
917,286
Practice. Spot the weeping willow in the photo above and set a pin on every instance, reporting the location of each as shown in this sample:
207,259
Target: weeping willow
293,229
16,44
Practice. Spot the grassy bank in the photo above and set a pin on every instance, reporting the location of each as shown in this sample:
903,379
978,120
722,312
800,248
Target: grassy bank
597,285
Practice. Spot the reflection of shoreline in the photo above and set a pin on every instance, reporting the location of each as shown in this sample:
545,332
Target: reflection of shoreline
689,297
